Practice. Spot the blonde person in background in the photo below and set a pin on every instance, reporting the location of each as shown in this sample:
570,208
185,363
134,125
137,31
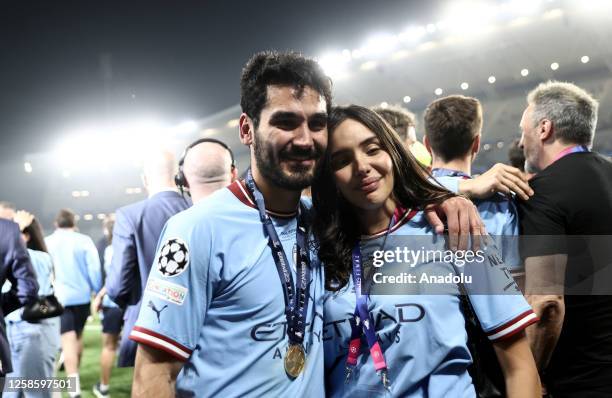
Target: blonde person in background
404,123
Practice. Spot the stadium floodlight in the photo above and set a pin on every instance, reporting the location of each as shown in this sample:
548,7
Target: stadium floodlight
553,14
407,99
524,72
76,194
384,105
594,7
521,7
88,217
585,59
101,216
368,65
233,123
84,194
491,79
412,34
438,91
469,18
90,149
465,86
400,54
186,127
554,66
379,44
335,65
428,45
27,167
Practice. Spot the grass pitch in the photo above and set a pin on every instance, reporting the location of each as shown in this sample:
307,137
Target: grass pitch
121,378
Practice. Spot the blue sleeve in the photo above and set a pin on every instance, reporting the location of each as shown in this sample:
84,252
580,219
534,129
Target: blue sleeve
177,295
18,270
498,303
94,268
43,267
510,233
450,183
123,276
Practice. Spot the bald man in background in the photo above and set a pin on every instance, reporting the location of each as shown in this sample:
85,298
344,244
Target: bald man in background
7,210
137,229
207,165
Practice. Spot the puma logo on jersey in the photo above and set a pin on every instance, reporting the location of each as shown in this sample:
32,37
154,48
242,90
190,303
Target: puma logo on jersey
157,312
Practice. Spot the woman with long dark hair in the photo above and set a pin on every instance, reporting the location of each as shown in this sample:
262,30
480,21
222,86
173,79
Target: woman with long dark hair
403,335
34,345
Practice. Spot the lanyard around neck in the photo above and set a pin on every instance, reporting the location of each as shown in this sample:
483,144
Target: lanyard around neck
296,301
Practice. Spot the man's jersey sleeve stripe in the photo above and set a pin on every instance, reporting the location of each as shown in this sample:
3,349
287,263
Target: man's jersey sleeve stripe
513,326
156,340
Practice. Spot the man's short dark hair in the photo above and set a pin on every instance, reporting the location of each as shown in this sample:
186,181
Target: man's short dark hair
451,124
516,157
65,219
283,69
399,118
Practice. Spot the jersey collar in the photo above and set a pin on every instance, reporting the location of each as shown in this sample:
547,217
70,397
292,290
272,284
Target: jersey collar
402,216
238,188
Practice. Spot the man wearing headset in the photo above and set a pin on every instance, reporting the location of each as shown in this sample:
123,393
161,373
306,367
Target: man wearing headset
206,166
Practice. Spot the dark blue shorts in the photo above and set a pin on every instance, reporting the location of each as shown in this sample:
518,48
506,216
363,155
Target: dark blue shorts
112,320
74,318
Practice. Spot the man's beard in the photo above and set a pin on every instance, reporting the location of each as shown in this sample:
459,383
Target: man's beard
530,165
269,165
531,168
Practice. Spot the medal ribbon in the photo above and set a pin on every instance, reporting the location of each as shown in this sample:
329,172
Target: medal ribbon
363,321
574,149
296,303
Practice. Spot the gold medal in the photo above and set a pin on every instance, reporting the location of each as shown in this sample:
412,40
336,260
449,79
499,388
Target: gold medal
295,360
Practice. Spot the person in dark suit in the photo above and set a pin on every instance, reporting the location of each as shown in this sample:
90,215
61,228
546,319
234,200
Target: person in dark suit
17,269
137,229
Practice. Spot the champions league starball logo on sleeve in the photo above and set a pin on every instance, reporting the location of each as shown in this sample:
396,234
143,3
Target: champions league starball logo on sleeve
173,258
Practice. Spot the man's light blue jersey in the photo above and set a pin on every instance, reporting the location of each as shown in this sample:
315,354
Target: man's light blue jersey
422,334
77,266
43,267
214,300
499,215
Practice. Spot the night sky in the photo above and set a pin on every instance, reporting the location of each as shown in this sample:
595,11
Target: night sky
174,60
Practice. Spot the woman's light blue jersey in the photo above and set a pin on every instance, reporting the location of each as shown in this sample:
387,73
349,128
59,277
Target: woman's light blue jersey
43,267
419,324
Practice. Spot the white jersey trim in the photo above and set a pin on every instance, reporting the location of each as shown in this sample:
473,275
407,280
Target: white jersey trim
514,326
166,345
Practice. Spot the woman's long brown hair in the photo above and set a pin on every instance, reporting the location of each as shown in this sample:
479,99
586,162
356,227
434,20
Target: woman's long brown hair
335,225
